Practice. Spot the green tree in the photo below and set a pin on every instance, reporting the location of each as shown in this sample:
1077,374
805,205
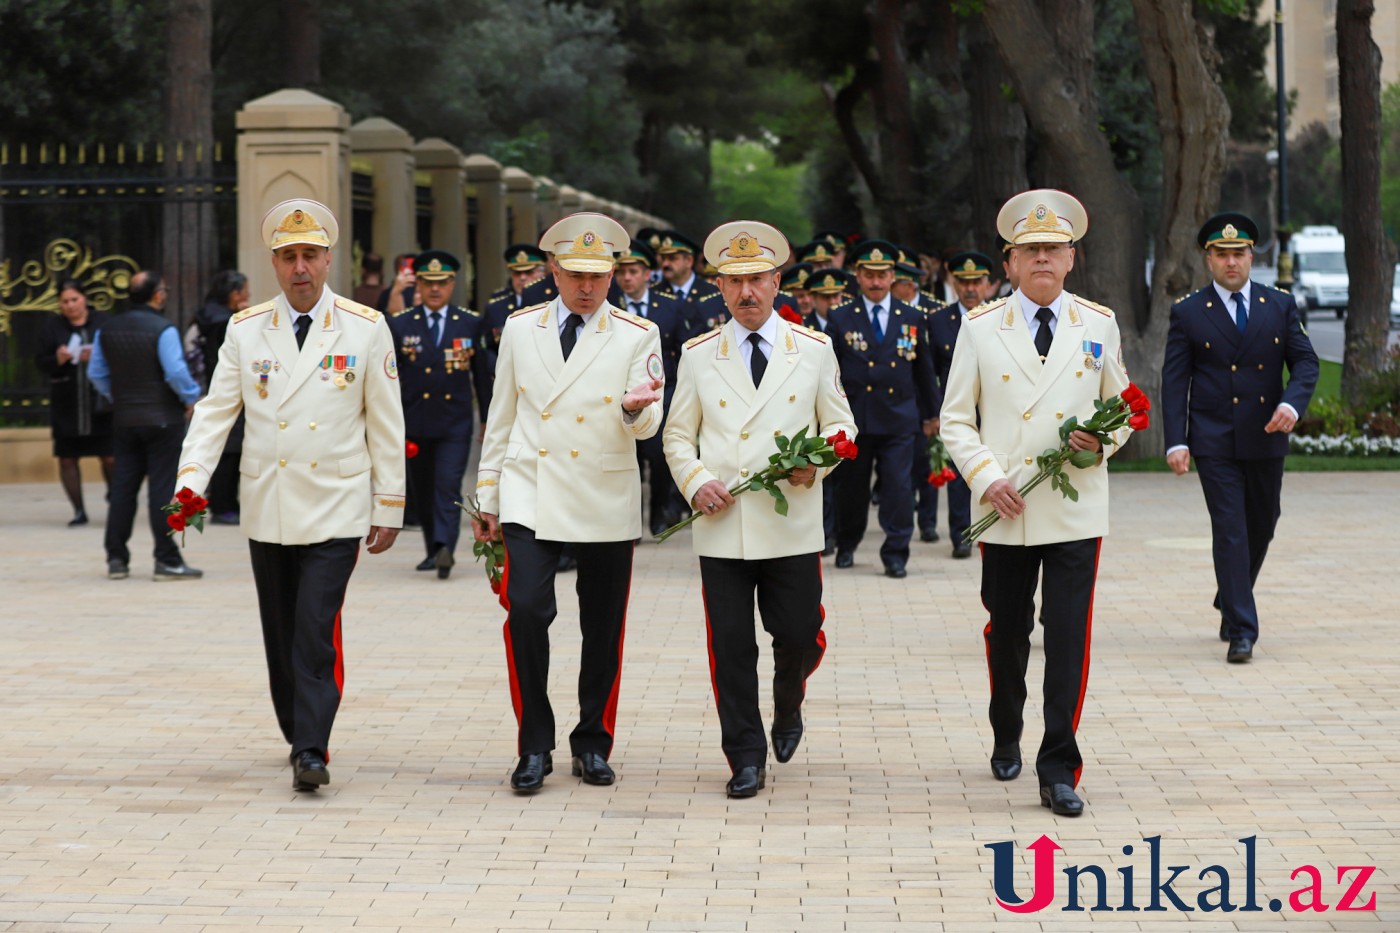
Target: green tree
750,184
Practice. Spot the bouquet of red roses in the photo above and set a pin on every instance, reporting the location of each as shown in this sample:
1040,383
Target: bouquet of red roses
187,511
789,315
494,551
941,472
1128,408
796,453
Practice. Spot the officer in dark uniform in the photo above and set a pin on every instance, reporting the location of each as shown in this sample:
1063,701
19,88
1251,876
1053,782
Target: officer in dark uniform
439,352
633,277
818,254
526,264
826,288
836,242
975,284
888,370
1225,405
702,308
906,289
792,284
652,238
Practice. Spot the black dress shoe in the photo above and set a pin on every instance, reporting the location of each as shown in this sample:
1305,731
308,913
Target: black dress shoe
896,570
427,563
962,551
309,770
594,769
1241,650
928,534
746,782
1061,799
443,561
529,774
1006,762
1224,630
787,735
79,518
845,559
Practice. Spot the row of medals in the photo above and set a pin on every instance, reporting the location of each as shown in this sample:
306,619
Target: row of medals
340,369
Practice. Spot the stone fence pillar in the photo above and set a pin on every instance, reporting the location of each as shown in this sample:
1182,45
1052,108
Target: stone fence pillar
447,172
388,149
485,184
291,144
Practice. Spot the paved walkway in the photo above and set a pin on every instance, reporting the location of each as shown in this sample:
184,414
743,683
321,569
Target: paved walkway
143,784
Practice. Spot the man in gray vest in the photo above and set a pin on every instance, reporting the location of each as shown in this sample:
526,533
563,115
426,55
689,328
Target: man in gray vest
138,362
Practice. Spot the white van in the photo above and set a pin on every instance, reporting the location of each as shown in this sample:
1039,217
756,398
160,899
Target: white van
1319,269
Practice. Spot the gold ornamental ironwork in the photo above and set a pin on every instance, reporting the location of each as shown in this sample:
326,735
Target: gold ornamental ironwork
105,279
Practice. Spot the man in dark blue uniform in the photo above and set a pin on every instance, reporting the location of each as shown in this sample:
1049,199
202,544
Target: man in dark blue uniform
701,306
633,277
792,289
440,356
906,289
1224,403
525,263
827,289
972,277
887,367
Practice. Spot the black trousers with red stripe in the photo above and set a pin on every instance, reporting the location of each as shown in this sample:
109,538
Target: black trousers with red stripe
301,588
1067,610
789,591
603,583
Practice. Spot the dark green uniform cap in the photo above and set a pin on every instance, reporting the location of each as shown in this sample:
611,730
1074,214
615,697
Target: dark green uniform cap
434,265
1228,229
970,265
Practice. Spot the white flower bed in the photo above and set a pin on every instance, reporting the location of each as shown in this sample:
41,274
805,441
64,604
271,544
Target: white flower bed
1342,446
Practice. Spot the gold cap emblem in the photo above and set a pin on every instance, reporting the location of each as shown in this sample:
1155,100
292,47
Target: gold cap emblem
435,265
522,256
1230,232
1042,218
802,276
877,255
589,243
829,282
821,253
744,246
298,221
969,266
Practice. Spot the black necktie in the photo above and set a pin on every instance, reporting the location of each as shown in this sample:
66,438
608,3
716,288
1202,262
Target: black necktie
436,318
875,313
570,336
757,361
1043,335
302,325
637,308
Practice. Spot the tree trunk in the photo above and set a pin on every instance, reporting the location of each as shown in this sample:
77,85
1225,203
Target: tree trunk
301,44
843,109
1370,266
1193,119
189,244
894,118
997,135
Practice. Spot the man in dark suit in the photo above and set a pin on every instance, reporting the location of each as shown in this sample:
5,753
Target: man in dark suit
887,367
633,277
525,262
1224,403
701,305
440,357
827,288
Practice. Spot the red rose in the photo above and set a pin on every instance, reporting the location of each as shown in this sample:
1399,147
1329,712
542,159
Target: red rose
199,503
789,315
176,521
1130,393
410,449
949,475
184,495
1141,403
1139,421
843,446
936,480
188,510
495,585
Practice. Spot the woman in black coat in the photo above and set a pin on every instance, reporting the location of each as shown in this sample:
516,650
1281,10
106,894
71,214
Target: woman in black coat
82,419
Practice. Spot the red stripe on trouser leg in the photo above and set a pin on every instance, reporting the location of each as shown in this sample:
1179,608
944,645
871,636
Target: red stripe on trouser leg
710,650
987,629
1088,639
510,649
610,710
339,657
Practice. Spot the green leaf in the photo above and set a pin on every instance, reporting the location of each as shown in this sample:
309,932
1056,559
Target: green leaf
800,435
1068,489
756,484
782,442
1084,459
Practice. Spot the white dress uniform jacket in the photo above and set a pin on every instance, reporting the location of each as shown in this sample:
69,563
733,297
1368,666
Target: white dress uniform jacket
721,427
559,454
996,372
319,461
